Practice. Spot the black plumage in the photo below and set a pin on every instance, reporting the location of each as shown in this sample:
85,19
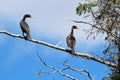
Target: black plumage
25,27
71,41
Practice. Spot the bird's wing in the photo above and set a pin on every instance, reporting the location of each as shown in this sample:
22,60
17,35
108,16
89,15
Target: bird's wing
71,41
67,40
24,27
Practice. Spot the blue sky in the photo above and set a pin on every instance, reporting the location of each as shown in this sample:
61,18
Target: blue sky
51,23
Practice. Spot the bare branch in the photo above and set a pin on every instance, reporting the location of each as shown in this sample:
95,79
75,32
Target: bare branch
54,68
107,31
10,34
83,22
94,26
76,70
41,72
58,43
77,54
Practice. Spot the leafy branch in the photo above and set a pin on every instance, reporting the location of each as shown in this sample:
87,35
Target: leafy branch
84,8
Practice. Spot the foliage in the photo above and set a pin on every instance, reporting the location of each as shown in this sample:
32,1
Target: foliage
113,76
84,8
106,18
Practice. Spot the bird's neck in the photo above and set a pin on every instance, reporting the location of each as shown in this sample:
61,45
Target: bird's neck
23,18
71,31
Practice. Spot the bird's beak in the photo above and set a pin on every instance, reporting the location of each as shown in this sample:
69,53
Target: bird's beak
78,28
31,17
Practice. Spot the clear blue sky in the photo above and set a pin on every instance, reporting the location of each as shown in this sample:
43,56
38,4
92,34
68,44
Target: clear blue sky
51,23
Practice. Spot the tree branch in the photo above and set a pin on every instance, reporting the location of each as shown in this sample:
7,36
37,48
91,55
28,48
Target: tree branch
40,72
107,31
76,70
54,68
77,54
94,26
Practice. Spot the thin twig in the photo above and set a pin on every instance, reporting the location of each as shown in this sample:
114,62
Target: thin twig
76,70
58,43
94,26
107,31
41,72
54,68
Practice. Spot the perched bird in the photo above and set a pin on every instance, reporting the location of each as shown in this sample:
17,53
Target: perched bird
71,41
25,27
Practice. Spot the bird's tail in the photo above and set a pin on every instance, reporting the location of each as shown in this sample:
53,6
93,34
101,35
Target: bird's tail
28,36
72,51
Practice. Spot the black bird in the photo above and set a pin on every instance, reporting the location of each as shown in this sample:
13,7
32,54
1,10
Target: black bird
25,27
71,41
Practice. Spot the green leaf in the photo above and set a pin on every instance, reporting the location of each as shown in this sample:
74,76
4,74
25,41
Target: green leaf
84,8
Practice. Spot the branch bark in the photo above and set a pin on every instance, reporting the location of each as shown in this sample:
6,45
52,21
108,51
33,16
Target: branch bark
77,70
99,28
54,68
77,54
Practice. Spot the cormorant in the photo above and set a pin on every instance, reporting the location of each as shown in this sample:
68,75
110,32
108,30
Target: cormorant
25,27
71,41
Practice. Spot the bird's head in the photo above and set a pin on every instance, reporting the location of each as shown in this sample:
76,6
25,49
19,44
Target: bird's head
75,27
27,16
